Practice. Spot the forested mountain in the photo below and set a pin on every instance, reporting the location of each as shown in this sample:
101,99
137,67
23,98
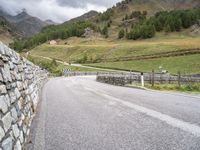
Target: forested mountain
131,19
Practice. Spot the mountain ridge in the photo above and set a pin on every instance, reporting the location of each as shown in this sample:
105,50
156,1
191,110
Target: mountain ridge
25,23
87,16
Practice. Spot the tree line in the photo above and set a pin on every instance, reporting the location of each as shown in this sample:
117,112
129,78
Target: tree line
136,14
172,21
52,32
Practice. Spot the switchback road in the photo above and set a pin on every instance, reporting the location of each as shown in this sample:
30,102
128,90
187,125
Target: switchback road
78,113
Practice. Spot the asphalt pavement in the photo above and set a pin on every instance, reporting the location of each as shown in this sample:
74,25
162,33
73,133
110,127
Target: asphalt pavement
78,113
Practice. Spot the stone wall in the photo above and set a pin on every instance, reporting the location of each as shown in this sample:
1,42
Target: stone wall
128,78
20,84
114,79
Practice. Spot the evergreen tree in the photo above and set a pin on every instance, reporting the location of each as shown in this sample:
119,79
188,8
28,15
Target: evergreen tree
105,32
167,29
121,34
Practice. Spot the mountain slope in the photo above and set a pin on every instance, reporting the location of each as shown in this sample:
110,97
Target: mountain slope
113,17
87,16
7,31
26,24
30,26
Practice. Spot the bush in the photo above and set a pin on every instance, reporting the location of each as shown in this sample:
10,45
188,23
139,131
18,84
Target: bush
105,32
121,34
144,31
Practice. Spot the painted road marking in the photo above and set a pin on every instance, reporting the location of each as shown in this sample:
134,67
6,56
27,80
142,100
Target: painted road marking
185,126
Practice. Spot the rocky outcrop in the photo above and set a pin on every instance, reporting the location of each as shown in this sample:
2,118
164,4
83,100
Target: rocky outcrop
20,84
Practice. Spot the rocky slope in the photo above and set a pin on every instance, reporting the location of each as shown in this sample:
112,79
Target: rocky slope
26,24
87,16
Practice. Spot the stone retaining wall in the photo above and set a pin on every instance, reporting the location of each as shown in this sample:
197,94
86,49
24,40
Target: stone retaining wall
114,80
121,80
20,84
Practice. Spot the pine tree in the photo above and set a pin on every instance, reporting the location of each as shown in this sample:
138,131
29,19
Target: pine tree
167,29
121,34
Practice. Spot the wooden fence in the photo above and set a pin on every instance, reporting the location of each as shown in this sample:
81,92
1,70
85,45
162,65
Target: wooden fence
123,78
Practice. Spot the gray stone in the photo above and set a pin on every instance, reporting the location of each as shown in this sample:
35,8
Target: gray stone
2,51
11,65
20,123
14,84
18,146
8,51
24,129
17,93
12,135
20,104
1,77
7,144
5,59
2,133
21,137
19,113
7,120
20,82
15,130
15,60
21,68
13,75
8,86
20,85
6,73
3,105
14,115
12,96
7,100
3,89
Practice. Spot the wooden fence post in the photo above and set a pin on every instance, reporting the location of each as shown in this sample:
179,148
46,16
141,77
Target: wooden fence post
130,77
179,79
152,80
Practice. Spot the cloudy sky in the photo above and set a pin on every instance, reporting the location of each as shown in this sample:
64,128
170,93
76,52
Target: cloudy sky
56,10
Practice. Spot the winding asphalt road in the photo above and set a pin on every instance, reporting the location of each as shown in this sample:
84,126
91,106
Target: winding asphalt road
78,113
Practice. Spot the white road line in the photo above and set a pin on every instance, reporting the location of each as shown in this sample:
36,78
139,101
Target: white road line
185,126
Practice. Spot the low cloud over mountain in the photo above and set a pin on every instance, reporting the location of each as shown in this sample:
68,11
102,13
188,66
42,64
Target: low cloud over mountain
56,10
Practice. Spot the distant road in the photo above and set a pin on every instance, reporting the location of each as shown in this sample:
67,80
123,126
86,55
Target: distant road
78,113
76,65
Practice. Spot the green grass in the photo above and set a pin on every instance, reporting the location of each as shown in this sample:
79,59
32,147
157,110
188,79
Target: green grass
186,64
57,69
188,88
6,38
96,49
174,87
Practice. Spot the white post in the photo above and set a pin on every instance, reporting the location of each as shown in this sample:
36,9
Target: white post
142,79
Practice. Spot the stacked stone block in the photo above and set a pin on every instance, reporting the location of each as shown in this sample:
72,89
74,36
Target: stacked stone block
20,85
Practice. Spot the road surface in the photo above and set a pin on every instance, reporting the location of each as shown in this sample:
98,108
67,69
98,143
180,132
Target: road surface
78,113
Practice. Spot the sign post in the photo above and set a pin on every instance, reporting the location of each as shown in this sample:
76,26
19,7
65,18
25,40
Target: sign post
142,79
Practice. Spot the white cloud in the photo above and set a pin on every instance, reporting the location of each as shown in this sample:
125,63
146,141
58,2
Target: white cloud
56,10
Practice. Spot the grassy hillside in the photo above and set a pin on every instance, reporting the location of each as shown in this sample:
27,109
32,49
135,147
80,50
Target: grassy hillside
163,34
56,67
100,52
136,19
184,64
95,50
7,31
126,7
